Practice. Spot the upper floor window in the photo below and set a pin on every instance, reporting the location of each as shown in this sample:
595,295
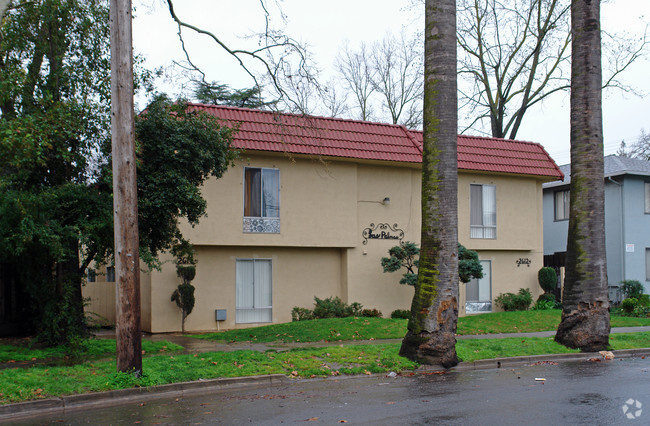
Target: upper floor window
562,205
483,211
647,197
110,274
261,200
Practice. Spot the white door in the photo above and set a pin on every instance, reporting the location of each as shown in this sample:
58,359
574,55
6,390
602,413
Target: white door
254,291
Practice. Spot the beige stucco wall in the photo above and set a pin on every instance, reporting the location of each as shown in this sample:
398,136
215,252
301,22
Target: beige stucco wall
324,208
317,205
100,302
299,274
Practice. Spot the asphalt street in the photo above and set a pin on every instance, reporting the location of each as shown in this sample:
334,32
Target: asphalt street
586,392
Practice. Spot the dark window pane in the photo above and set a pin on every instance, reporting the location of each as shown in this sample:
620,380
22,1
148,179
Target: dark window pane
252,192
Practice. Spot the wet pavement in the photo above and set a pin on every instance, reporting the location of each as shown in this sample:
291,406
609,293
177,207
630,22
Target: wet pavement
593,393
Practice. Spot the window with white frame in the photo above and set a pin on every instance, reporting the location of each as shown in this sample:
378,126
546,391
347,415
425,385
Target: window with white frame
483,211
647,197
562,205
478,295
261,200
254,293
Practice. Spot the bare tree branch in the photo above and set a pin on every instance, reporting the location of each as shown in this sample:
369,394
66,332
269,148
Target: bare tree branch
291,62
516,53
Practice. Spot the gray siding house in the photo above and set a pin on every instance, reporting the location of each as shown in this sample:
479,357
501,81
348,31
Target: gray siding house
627,220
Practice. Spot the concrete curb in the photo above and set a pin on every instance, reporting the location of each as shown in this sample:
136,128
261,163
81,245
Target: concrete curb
532,359
176,390
109,398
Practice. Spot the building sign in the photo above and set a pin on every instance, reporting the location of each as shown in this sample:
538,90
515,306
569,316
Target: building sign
629,248
523,261
382,231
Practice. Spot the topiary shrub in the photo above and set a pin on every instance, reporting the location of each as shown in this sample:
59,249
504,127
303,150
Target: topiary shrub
371,313
406,256
400,314
186,271
515,302
547,278
632,288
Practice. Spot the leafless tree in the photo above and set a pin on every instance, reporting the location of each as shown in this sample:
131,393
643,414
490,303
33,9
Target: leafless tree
516,53
285,62
639,149
399,78
387,74
357,74
334,101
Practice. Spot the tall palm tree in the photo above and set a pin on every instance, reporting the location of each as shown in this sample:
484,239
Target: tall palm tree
434,312
585,305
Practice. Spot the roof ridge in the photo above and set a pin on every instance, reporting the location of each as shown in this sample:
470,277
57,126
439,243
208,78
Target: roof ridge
290,114
408,134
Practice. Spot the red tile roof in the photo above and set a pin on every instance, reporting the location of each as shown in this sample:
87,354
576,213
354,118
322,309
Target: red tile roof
333,137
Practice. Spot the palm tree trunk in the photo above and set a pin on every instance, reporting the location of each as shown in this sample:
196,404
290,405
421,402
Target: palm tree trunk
434,312
585,305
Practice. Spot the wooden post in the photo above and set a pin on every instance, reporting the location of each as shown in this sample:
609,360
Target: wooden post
125,195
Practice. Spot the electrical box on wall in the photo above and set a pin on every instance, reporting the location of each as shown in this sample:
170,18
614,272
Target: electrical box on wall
220,314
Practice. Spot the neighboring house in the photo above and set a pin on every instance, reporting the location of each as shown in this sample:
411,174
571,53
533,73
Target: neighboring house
627,220
313,204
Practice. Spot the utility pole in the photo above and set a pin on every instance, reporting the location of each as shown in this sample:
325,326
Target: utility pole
125,194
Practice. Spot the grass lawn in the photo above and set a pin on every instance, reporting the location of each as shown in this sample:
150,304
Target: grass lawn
335,329
21,384
330,329
93,349
39,382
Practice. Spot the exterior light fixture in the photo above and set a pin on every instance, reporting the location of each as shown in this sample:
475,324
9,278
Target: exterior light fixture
386,201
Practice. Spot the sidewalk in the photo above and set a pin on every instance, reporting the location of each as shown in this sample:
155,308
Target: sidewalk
193,345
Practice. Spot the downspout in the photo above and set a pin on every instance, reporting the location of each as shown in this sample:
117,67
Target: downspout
622,224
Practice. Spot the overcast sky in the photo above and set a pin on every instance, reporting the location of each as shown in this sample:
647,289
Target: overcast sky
326,26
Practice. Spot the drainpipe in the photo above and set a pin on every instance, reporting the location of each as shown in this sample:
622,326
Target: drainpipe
622,224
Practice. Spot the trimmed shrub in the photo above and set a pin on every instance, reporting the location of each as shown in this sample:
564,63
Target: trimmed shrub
400,314
632,288
644,300
547,278
628,305
515,302
301,314
334,307
371,313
